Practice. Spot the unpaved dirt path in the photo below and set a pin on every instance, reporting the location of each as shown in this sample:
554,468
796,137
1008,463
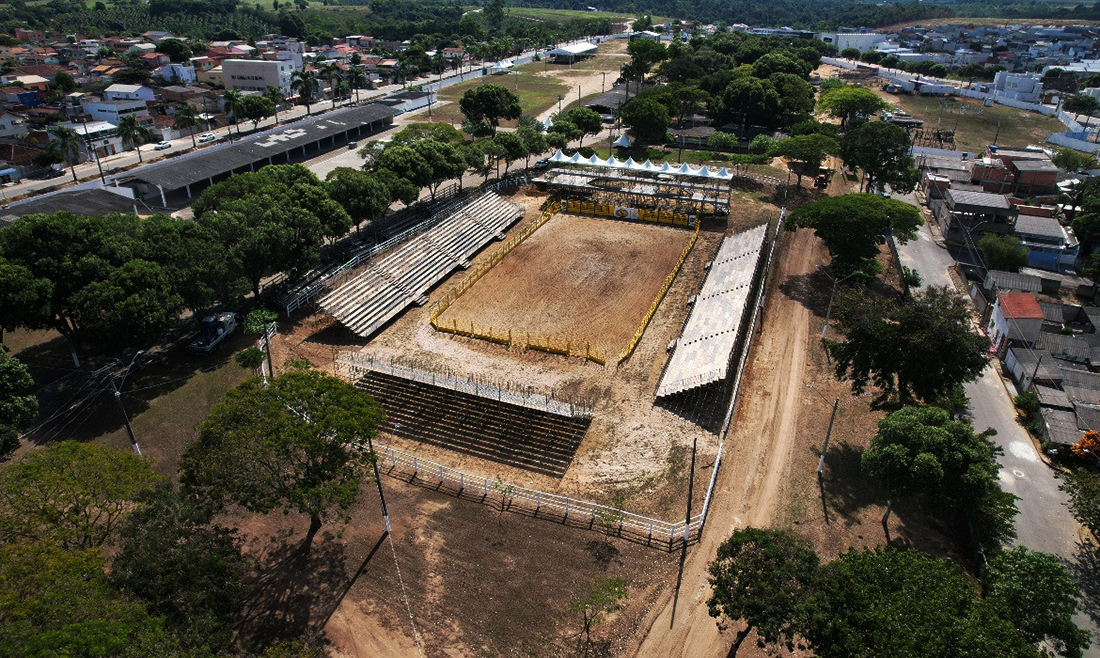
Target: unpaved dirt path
758,449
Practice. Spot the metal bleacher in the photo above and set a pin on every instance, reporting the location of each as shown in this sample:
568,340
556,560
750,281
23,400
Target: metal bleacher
387,285
703,351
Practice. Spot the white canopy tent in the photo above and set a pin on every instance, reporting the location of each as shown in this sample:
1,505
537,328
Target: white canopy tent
648,166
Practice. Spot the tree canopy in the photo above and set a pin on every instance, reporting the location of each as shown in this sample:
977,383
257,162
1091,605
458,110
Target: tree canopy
363,196
917,350
1003,252
18,406
487,104
920,451
298,444
881,151
805,153
765,578
848,102
1083,488
852,226
647,118
71,494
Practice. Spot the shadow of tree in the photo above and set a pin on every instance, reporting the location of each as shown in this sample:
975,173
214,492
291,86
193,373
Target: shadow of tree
294,588
812,290
847,489
1086,571
603,552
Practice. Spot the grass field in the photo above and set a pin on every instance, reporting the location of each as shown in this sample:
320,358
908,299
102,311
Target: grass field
545,14
536,93
975,125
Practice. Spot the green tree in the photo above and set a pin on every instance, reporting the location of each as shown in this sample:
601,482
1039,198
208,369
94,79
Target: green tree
1081,104
357,78
767,578
299,444
645,54
304,85
331,71
487,104
255,109
444,161
905,604
361,194
1083,488
187,569
277,98
921,349
807,152
1071,161
494,15
56,602
132,305
586,120
778,62
66,143
920,451
751,102
71,494
1035,592
186,117
65,82
850,53
852,226
231,102
881,150
510,148
534,143
1003,252
848,102
796,97
646,118
406,164
596,598
132,133
18,406
177,50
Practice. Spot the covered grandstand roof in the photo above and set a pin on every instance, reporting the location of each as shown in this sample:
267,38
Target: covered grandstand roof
98,200
705,348
649,166
200,165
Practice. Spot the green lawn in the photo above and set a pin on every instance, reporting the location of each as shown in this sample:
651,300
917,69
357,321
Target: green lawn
975,125
536,93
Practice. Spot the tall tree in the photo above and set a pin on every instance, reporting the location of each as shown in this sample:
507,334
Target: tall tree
444,160
487,104
187,569
596,598
534,142
921,349
853,226
806,151
132,133
71,494
1081,104
66,142
357,79
299,444
277,98
511,148
407,164
231,101
587,121
646,118
1035,592
304,85
751,102
361,194
18,406
1003,252
849,102
331,71
187,118
767,579
255,109
920,451
881,150
1083,488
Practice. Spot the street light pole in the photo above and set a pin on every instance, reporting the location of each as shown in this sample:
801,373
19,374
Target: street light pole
828,433
122,407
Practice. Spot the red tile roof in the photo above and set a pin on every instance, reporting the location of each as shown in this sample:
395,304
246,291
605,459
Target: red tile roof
1019,306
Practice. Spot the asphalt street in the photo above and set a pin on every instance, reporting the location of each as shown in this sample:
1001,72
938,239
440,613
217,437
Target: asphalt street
1044,523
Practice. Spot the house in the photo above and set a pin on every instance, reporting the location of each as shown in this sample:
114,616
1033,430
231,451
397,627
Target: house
112,111
1034,177
963,212
1026,87
1016,319
256,75
119,92
154,60
1050,245
12,125
178,73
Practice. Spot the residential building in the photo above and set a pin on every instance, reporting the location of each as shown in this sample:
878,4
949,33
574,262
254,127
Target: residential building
1026,87
12,125
113,111
119,92
1016,319
1050,245
256,75
965,214
181,73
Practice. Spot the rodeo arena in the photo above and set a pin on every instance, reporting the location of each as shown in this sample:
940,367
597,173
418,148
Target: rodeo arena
538,322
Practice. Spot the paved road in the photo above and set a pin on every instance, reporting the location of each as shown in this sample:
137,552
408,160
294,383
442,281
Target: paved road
1044,523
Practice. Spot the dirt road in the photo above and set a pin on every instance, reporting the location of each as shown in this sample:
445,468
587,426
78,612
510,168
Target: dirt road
758,449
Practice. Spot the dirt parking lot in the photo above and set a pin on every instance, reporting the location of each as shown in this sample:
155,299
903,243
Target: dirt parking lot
576,277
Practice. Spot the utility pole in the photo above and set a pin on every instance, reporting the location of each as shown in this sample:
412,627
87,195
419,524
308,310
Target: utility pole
828,433
122,407
378,482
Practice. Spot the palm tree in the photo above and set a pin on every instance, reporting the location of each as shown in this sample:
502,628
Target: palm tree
67,142
331,71
133,134
277,97
233,106
305,85
357,79
187,118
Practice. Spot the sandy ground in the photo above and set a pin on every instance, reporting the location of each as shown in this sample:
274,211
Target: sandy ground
576,277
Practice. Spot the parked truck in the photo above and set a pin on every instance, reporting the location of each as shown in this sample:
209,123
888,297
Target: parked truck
213,330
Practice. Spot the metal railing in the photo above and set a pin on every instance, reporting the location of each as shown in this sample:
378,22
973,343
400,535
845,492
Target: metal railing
540,504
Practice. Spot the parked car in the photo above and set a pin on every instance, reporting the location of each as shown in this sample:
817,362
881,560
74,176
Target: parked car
353,145
541,164
162,146
206,137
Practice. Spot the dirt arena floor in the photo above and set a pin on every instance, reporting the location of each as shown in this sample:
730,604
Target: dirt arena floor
579,278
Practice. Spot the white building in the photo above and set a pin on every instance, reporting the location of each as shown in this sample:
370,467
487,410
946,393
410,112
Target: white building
113,111
178,73
118,92
861,41
1026,87
12,125
98,135
256,74
1016,317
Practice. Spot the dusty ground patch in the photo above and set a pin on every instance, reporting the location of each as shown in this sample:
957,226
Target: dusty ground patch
576,277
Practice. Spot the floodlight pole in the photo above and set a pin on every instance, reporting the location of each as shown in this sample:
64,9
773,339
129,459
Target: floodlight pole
378,482
828,433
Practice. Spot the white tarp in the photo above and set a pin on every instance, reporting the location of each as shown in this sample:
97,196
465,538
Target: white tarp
683,169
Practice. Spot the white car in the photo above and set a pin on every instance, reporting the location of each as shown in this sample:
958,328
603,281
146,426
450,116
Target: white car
206,137
162,146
